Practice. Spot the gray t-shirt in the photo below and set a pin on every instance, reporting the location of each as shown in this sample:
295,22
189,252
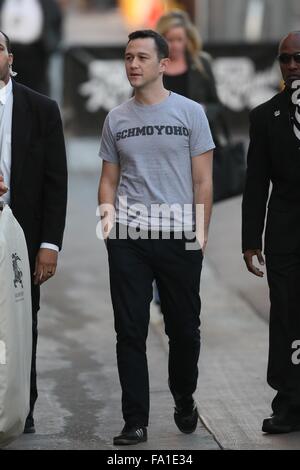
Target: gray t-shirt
154,144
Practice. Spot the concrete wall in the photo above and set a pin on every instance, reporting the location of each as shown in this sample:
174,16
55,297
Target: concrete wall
221,20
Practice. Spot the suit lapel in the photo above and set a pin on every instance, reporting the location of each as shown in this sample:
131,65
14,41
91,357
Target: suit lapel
281,121
20,134
280,113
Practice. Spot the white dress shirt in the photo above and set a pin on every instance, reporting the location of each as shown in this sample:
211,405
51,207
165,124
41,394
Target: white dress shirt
6,104
6,107
22,20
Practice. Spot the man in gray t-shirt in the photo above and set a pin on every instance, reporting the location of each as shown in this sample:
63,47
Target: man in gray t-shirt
153,145
155,196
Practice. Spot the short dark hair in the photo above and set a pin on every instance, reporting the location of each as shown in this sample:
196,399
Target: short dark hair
7,41
160,42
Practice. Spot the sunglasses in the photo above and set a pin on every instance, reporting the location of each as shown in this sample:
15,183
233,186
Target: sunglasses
286,58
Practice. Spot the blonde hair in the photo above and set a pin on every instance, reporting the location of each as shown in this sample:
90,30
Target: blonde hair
179,18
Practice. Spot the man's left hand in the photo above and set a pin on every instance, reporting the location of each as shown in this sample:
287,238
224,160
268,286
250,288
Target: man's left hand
45,265
203,247
202,239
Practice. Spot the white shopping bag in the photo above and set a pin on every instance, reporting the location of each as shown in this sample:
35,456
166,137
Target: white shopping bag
15,328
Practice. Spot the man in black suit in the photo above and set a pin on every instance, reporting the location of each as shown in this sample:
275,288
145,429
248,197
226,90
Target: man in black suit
274,156
33,180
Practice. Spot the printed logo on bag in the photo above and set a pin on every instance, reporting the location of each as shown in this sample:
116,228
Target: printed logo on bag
17,271
2,353
18,277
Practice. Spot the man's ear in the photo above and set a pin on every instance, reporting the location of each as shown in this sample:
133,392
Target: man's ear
11,59
163,64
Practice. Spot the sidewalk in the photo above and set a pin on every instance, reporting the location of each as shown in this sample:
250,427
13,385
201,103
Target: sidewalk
233,394
79,403
232,391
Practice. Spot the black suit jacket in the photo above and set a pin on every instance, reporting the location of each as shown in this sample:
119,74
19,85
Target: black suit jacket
38,169
273,156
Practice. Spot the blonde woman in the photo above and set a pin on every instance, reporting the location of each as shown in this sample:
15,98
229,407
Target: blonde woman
189,72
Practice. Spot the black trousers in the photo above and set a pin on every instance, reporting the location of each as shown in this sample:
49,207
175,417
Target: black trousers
283,273
133,265
35,295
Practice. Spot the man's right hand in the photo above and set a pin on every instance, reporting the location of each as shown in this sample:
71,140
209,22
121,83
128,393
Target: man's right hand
248,258
3,188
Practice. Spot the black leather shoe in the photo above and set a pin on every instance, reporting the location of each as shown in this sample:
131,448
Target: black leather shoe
186,416
131,435
279,425
29,426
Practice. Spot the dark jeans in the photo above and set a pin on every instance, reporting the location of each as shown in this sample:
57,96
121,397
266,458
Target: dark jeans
134,264
283,374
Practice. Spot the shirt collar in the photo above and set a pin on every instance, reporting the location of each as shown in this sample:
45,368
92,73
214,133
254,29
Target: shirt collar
5,92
